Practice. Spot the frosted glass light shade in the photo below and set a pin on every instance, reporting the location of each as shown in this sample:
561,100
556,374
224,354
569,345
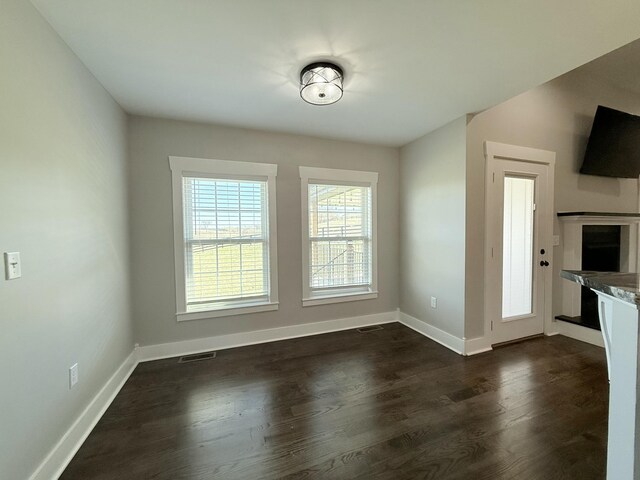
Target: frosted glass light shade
321,83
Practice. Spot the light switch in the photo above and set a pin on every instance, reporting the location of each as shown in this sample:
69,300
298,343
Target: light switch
73,375
12,265
556,240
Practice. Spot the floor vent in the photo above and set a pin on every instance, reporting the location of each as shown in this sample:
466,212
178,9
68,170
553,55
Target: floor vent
197,357
372,328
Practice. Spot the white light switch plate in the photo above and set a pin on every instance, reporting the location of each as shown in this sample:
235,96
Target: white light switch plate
12,267
434,302
556,240
73,375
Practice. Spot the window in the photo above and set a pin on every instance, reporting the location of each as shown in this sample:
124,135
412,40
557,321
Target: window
224,234
339,235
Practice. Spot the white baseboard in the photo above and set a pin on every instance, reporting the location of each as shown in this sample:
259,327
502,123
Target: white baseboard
61,454
174,349
474,346
443,338
584,334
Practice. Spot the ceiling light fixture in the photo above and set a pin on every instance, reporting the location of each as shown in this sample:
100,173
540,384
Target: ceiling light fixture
321,83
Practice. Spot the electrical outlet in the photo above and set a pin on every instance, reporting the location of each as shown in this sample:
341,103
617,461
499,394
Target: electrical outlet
434,302
73,375
12,267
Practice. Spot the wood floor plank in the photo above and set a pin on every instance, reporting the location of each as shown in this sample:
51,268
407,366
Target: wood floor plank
386,404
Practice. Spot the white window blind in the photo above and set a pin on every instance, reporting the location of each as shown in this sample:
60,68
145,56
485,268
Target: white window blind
340,236
226,242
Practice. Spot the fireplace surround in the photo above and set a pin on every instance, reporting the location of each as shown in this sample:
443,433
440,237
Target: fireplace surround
598,241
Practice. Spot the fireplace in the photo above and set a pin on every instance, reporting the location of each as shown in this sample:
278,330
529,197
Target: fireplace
604,242
600,253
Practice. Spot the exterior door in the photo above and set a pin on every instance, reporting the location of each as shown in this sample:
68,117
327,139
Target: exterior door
519,247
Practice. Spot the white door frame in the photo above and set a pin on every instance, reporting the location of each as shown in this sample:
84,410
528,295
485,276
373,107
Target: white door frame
501,151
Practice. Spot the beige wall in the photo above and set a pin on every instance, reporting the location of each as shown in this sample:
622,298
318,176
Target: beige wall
556,116
153,293
63,206
433,227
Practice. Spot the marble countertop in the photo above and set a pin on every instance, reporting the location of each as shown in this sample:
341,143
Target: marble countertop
624,286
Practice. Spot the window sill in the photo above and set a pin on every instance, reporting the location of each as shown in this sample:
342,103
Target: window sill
346,297
227,311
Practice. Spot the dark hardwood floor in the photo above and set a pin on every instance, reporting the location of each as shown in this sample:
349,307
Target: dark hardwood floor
387,404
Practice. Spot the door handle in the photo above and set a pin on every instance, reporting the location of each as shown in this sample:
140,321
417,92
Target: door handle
544,263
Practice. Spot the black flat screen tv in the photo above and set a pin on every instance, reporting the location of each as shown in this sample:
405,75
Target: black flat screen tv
614,145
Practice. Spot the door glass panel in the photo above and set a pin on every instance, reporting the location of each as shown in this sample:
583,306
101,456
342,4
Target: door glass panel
517,260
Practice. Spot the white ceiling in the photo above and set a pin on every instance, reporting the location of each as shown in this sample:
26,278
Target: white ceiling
410,65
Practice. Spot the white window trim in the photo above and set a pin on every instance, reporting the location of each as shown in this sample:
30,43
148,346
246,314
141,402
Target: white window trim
183,166
347,177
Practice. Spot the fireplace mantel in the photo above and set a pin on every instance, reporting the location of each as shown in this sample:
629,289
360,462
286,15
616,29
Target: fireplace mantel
617,218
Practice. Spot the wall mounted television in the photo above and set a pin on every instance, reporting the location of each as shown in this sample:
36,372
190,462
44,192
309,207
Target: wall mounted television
613,149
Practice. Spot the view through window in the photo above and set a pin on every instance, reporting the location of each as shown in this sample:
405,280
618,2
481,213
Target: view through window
340,236
226,242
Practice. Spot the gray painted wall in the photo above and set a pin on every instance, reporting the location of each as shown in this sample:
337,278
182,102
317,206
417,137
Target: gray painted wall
433,227
64,208
67,208
151,141
556,116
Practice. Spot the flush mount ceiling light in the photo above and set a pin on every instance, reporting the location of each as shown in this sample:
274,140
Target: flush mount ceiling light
321,83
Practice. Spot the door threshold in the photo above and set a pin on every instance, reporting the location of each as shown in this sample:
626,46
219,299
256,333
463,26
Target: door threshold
517,340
